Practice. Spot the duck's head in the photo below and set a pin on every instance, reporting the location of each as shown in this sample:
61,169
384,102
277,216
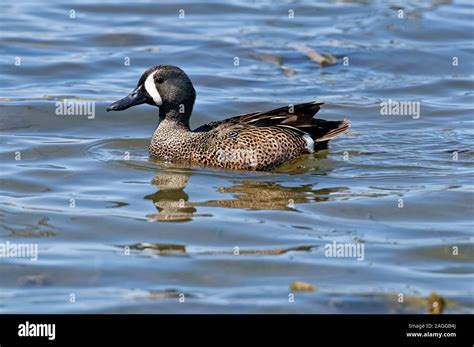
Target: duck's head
165,86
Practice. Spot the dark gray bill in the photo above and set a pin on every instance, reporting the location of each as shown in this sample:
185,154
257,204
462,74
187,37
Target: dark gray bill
136,97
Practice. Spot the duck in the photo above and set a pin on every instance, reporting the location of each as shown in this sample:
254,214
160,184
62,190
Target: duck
255,141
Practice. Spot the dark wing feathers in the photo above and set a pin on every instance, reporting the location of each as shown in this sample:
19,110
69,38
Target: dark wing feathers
298,118
292,114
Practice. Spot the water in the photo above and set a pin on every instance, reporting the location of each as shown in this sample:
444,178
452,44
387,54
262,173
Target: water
119,233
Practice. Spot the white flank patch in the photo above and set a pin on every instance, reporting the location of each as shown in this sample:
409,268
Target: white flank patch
309,143
150,87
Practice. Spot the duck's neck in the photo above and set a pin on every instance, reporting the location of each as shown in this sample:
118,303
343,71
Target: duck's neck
175,117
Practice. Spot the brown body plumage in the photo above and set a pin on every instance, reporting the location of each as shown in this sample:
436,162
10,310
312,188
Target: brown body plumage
259,141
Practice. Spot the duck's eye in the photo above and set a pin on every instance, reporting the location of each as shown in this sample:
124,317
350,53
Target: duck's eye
160,80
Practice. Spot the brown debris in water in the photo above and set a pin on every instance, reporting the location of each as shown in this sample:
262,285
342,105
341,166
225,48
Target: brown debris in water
436,303
163,294
321,59
300,286
160,248
275,61
277,251
174,249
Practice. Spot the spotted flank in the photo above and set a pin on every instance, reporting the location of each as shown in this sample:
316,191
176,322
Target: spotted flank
258,141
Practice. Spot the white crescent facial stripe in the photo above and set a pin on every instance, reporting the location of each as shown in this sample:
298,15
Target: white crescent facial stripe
150,87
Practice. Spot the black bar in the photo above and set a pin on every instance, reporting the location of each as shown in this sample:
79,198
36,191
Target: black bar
241,329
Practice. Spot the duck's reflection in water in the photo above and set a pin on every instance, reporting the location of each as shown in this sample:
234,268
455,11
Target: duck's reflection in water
258,195
171,200
173,203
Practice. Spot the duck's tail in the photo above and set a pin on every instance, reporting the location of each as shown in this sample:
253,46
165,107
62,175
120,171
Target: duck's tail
321,131
332,128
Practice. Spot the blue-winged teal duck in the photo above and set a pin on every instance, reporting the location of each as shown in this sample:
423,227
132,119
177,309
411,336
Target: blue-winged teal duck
258,141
